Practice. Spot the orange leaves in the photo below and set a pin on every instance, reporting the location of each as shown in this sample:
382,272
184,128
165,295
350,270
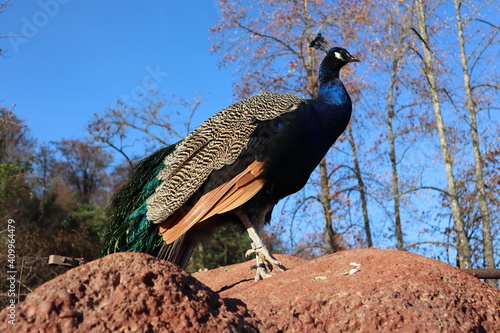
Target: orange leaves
270,40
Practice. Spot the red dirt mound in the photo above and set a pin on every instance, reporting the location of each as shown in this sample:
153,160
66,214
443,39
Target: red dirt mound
392,291
126,292
352,291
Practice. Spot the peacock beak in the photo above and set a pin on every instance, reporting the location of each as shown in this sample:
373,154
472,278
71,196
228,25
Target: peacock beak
354,59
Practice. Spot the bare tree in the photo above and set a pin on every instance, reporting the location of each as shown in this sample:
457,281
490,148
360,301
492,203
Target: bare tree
472,111
84,169
429,72
360,187
149,122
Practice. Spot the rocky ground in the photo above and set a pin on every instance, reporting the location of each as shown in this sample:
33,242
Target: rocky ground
365,290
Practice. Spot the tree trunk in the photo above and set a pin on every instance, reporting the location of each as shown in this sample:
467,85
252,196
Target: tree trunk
361,187
392,155
489,260
331,238
463,246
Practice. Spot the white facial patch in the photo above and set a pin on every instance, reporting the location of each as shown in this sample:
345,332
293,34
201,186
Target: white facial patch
338,56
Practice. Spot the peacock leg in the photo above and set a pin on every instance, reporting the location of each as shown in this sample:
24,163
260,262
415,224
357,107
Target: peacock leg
264,259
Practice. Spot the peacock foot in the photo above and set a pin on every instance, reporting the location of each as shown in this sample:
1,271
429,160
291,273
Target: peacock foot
266,262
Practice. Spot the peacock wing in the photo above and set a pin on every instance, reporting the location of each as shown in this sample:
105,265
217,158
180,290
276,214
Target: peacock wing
221,199
215,143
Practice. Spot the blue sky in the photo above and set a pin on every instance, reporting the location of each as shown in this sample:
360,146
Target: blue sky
80,56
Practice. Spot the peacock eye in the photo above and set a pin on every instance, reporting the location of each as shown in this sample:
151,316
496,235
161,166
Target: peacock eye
338,56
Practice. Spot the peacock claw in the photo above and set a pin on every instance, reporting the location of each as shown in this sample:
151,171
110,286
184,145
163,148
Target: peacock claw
265,262
262,274
265,255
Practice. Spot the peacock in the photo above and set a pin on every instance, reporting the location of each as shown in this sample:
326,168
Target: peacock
233,168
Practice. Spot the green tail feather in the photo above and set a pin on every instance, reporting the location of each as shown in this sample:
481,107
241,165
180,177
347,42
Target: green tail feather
128,228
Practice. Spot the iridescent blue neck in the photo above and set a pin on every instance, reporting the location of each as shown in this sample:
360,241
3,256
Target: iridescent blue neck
333,92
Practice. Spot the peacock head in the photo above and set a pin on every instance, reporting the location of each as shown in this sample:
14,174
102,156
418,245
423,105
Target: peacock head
335,59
